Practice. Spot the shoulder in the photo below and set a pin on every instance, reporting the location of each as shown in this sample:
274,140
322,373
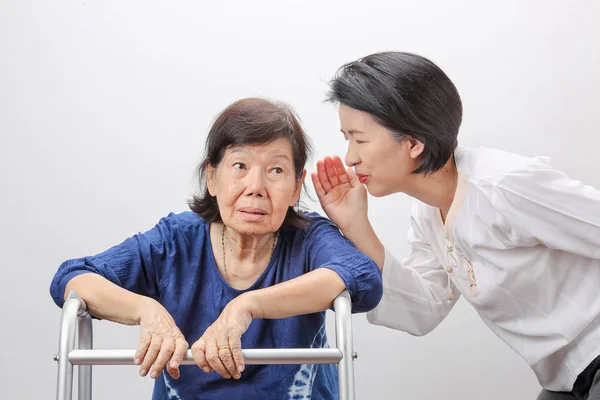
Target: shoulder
316,228
492,170
493,165
186,218
315,222
314,217
186,223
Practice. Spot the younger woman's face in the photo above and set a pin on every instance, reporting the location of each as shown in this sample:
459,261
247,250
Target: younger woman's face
382,163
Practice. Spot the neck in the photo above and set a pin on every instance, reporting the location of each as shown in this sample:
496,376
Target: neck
241,258
247,248
437,189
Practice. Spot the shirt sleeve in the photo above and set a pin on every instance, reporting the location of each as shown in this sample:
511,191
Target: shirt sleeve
326,247
415,290
537,204
135,265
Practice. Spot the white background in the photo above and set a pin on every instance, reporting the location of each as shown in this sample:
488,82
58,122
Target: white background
104,107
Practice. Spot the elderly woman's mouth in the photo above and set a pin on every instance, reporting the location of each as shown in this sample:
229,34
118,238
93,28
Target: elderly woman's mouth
252,214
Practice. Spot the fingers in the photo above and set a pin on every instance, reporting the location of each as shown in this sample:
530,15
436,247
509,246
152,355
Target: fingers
317,184
181,347
235,343
151,355
330,171
167,348
226,357
142,348
214,360
199,353
340,170
323,176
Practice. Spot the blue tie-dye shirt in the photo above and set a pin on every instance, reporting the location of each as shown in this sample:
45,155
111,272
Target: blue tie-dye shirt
174,264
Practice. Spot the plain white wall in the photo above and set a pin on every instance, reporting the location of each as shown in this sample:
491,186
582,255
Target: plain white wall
104,106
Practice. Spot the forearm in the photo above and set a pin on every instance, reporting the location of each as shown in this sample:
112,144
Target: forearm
365,239
309,293
106,300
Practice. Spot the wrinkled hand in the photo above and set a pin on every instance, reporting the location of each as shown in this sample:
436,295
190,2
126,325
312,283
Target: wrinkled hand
220,347
161,342
342,196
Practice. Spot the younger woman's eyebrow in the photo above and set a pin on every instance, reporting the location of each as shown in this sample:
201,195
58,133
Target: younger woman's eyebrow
351,131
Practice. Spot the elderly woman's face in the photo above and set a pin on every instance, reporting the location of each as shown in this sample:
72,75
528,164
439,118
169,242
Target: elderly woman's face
254,186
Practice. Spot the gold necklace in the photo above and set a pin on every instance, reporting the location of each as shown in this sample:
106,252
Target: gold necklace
275,235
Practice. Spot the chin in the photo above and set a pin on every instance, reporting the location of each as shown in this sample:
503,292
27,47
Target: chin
379,191
375,191
254,228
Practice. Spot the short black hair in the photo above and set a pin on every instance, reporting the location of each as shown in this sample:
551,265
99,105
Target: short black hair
409,95
251,121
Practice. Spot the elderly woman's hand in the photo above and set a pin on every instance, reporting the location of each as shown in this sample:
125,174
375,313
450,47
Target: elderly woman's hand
220,347
161,342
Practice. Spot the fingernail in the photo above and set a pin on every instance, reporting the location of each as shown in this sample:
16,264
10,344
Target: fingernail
154,374
241,368
206,370
143,372
136,361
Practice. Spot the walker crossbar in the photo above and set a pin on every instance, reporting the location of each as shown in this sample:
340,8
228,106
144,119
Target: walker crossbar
75,348
251,356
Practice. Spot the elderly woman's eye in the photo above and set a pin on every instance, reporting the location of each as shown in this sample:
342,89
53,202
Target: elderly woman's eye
239,165
277,170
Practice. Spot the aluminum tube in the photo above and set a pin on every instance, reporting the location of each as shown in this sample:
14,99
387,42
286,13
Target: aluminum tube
68,327
86,340
343,332
251,356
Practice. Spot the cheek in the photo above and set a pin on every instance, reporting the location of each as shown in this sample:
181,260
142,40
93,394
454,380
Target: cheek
281,199
228,193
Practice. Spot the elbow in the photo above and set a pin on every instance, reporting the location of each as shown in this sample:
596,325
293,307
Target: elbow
413,328
65,273
369,295
414,318
58,286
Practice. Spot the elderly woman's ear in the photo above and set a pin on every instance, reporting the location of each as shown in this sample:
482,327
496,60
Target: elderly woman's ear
298,190
210,179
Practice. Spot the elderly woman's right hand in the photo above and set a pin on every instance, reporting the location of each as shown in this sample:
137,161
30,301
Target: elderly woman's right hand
161,342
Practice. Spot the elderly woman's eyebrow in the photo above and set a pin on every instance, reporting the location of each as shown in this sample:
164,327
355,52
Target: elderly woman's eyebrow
270,154
279,155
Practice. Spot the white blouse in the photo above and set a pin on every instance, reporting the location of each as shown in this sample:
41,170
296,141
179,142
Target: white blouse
521,243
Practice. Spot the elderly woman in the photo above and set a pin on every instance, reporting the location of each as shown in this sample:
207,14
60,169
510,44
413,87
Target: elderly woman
517,238
245,269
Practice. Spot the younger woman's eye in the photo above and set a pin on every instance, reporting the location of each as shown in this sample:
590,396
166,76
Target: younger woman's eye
277,170
239,166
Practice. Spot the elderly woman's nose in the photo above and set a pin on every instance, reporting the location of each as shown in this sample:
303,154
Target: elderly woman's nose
255,183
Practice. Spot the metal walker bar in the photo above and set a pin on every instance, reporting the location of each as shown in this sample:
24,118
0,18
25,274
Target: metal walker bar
76,338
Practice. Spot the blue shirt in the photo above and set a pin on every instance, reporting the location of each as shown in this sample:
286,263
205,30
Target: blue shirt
174,264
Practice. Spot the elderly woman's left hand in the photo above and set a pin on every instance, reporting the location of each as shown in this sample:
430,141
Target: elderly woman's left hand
220,347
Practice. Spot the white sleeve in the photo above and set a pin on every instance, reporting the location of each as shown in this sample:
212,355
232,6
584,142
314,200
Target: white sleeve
538,204
415,291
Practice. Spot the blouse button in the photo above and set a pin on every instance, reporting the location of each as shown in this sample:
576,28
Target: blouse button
449,269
